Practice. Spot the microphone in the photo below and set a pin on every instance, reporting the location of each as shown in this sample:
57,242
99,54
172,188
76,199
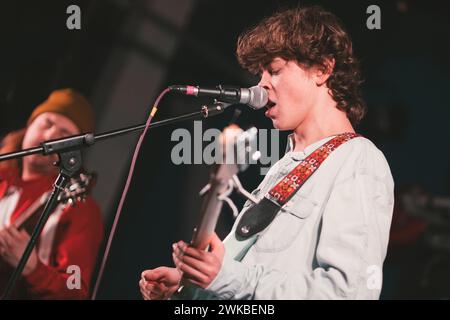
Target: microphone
255,97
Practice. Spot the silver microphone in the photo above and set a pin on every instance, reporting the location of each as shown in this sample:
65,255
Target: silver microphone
255,97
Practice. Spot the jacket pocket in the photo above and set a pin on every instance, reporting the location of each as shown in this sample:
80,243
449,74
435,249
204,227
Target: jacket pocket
286,226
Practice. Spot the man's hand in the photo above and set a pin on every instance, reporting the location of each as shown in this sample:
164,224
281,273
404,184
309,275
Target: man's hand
159,283
198,266
12,245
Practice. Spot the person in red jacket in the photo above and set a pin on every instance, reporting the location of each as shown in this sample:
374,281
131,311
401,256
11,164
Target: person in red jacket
62,264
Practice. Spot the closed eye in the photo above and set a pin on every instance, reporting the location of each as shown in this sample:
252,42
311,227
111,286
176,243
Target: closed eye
274,72
65,133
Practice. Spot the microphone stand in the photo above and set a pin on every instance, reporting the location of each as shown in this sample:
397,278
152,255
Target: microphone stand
70,163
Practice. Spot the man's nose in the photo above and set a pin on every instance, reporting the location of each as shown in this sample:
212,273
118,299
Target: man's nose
265,80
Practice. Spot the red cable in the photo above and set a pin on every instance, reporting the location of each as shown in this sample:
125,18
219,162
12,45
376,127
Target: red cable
125,191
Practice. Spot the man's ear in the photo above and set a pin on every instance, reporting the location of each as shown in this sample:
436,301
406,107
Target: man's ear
324,71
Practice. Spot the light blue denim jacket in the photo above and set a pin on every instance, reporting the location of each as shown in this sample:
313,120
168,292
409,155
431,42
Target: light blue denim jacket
328,242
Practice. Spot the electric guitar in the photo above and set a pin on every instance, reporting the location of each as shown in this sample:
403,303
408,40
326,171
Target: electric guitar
238,147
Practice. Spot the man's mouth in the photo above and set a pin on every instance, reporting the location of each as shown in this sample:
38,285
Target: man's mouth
270,104
269,107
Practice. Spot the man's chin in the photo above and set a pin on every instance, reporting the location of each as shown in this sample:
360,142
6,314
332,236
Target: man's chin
280,126
275,124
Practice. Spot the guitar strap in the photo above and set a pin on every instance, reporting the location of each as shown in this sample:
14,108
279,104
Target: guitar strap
259,216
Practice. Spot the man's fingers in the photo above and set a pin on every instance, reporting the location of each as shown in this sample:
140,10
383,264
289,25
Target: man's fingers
177,261
195,254
24,234
6,239
13,233
158,288
180,249
151,291
145,295
152,275
158,291
201,265
216,245
144,291
3,243
145,284
188,271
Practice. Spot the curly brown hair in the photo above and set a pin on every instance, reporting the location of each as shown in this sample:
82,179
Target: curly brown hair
310,36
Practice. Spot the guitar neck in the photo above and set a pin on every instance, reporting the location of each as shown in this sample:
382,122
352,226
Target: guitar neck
236,145
30,211
209,215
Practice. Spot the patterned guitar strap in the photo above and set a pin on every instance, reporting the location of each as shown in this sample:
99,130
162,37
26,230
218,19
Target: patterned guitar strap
259,216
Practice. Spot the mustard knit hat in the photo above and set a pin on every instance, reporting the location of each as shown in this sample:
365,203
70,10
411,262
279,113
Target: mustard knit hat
71,104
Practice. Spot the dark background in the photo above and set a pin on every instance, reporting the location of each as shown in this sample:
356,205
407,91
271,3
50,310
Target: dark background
406,71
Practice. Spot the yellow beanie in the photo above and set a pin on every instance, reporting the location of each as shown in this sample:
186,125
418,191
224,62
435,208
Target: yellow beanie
71,104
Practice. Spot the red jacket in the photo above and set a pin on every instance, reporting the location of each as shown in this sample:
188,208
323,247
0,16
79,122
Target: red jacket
71,237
